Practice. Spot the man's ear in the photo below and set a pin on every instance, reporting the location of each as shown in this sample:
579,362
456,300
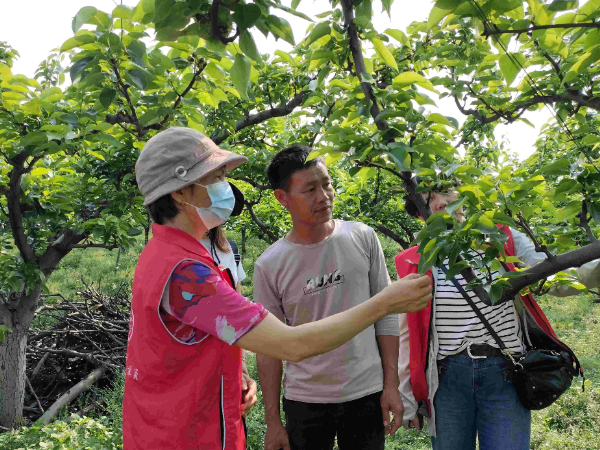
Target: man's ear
282,197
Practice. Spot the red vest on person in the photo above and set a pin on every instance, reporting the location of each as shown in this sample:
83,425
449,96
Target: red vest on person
418,323
177,396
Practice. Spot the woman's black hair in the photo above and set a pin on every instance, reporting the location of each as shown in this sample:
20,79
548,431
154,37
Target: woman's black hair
163,209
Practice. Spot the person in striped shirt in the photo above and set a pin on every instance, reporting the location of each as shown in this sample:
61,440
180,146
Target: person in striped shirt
450,367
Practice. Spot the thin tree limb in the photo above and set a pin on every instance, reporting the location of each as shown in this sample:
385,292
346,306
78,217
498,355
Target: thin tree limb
262,116
72,394
34,394
583,221
106,246
260,224
488,32
392,235
251,182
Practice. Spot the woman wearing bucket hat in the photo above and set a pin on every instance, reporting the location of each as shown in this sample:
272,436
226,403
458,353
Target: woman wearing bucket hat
188,325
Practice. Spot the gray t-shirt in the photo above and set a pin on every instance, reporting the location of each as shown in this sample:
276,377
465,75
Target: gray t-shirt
304,283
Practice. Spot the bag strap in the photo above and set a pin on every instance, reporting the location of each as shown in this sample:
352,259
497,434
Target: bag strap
477,311
236,253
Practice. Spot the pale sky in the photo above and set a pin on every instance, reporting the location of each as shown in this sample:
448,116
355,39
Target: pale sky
36,27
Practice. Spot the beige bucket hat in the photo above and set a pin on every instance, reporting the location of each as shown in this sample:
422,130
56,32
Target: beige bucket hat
177,157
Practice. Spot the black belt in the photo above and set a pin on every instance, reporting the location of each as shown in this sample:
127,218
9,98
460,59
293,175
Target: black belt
481,351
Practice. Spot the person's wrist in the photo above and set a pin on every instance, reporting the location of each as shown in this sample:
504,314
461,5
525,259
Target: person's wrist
273,417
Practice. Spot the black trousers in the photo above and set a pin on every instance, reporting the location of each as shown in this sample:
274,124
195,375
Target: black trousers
358,424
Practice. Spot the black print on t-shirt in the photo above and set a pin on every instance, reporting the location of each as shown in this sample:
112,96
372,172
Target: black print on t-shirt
323,281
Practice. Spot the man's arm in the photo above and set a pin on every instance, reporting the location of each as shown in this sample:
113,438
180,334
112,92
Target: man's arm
269,374
390,398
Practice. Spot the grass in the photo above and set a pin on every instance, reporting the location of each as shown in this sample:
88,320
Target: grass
573,422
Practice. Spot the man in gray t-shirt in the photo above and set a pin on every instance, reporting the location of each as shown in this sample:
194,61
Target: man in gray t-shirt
323,267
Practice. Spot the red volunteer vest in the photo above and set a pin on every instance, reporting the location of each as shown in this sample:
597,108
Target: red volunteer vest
177,396
418,323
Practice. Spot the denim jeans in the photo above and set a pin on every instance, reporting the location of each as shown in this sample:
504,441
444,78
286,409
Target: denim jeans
474,398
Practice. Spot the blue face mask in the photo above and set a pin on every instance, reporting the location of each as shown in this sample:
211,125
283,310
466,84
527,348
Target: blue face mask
223,201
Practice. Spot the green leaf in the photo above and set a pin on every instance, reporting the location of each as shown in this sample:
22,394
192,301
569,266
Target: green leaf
245,16
77,41
438,118
286,57
138,77
384,53
240,74
83,16
107,96
398,35
406,78
504,219
510,66
559,167
389,114
78,66
436,15
569,211
281,28
122,12
590,139
248,46
320,30
162,10
485,225
455,268
455,205
562,5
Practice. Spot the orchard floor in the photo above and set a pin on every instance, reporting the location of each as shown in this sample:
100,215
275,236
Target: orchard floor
572,423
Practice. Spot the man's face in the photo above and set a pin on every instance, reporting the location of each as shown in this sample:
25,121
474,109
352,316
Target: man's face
309,198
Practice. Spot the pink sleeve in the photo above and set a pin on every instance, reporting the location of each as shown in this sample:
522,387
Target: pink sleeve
199,298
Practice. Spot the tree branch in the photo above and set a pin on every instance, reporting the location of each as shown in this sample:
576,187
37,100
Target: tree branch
393,236
260,224
408,181
487,32
359,62
254,184
14,207
106,246
583,221
123,88
538,247
544,269
215,26
262,116
199,69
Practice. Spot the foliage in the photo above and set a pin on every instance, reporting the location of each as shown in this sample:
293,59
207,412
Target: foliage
67,154
77,433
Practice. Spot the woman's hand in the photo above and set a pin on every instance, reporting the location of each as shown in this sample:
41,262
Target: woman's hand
249,391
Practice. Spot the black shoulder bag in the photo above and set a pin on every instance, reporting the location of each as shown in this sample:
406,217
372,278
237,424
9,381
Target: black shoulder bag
540,375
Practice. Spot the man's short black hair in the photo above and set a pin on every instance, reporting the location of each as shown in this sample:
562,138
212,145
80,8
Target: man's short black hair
287,162
163,209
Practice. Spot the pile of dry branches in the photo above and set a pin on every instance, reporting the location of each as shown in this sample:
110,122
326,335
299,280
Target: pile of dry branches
82,341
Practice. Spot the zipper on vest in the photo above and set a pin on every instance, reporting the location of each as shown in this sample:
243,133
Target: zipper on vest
222,415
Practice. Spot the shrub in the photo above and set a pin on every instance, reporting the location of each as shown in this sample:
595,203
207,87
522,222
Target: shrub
74,434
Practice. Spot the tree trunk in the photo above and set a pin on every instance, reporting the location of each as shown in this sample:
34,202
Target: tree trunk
17,317
12,377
